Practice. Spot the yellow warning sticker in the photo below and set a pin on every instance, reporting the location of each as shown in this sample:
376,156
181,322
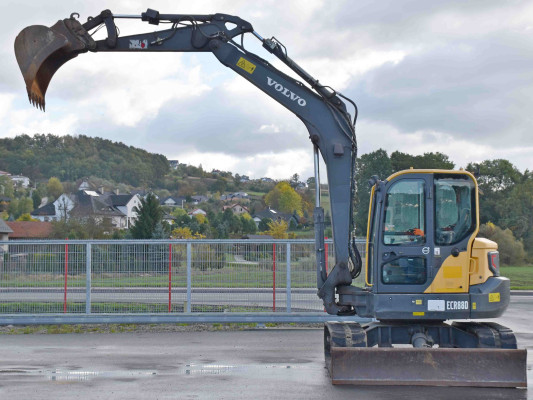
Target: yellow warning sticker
418,302
474,306
246,65
418,313
494,297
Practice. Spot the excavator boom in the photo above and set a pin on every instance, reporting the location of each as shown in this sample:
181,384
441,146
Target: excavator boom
41,51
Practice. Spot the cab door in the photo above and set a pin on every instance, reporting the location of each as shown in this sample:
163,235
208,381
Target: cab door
456,225
404,258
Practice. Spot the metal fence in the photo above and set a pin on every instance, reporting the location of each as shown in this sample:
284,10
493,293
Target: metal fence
160,281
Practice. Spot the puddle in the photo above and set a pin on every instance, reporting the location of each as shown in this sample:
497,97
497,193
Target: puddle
78,376
189,369
222,369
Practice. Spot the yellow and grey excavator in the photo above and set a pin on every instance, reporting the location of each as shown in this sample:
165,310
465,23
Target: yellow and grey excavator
423,264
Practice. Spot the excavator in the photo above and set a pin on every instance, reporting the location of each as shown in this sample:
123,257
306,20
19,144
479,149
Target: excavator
423,264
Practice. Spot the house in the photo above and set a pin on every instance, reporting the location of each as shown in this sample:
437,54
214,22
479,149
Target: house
196,211
45,213
126,203
199,199
169,219
29,230
235,196
240,195
269,180
117,209
84,185
174,201
237,209
57,210
274,216
89,205
143,193
5,230
20,180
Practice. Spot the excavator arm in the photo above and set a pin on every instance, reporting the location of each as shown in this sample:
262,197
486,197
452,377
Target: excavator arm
41,51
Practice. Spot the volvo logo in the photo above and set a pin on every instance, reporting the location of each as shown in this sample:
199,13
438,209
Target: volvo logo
425,250
286,92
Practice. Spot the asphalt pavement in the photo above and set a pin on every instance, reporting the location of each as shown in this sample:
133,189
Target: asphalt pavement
269,363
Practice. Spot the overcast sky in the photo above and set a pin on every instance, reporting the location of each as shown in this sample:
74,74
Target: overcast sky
449,76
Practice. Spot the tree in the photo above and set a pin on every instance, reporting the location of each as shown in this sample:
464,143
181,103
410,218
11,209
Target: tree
496,179
263,224
285,199
401,161
74,228
511,250
26,217
36,199
277,229
185,233
149,214
160,232
247,223
294,180
54,188
6,187
25,206
375,163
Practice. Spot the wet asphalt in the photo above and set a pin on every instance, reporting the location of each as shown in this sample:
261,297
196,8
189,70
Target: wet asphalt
266,363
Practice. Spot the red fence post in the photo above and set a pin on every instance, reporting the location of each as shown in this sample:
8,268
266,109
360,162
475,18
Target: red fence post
169,277
274,277
66,275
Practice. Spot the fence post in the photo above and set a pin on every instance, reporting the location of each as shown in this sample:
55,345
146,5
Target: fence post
288,285
170,277
327,253
66,278
274,277
189,272
88,282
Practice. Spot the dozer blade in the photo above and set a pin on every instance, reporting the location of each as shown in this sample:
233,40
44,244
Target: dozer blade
428,366
41,51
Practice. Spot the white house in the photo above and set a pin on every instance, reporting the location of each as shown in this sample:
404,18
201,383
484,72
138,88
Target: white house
20,180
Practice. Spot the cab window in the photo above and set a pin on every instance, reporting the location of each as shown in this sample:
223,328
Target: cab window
455,214
404,221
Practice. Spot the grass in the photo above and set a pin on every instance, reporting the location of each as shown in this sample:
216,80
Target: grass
232,275
119,308
521,276
125,328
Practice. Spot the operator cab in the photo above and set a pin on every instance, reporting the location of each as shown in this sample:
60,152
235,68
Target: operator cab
420,221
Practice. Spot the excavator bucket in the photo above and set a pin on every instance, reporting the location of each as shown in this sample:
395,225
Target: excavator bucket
41,51
352,356
428,367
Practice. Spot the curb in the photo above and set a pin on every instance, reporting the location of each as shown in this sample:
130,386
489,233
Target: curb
521,292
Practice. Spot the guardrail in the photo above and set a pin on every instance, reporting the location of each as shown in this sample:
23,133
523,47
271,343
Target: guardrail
80,281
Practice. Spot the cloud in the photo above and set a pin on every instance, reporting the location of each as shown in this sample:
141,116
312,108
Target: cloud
449,76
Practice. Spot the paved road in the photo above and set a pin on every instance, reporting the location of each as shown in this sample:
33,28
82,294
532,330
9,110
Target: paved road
305,299
265,364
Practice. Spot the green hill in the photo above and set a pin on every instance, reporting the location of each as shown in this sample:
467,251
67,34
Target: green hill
73,157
